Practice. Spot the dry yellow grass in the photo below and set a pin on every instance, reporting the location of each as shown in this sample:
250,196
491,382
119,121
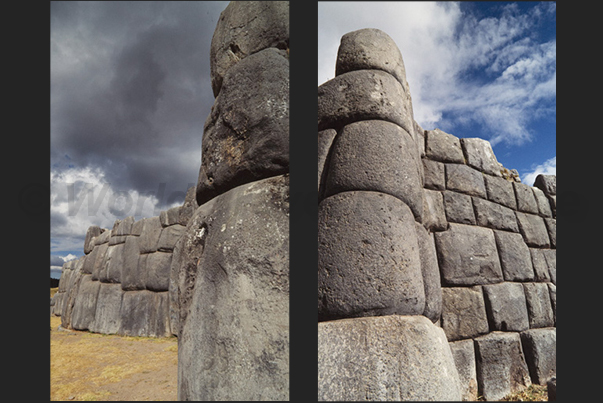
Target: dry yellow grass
88,366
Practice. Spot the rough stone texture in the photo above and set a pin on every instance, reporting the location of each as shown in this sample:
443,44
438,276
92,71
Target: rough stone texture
506,307
463,312
544,207
551,260
84,308
465,179
89,261
132,271
103,237
234,338
540,349
533,229
169,236
501,366
493,215
467,255
526,201
546,183
479,155
431,274
244,28
114,263
189,206
325,140
553,295
368,257
538,301
463,353
500,191
93,231
149,237
157,271
458,208
385,358
515,257
551,226
108,308
144,313
246,135
434,215
539,263
378,156
170,217
442,146
363,95
370,48
435,177
99,260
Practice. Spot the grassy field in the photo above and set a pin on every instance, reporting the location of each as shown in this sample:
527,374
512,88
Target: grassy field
89,366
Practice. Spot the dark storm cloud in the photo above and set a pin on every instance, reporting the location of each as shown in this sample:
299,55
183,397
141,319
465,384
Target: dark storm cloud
130,89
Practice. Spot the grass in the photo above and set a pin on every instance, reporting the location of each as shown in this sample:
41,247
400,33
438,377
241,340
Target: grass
89,366
533,393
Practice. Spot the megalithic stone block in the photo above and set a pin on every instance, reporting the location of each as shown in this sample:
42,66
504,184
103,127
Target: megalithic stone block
363,95
325,140
431,274
144,313
368,257
84,309
133,276
108,306
385,358
234,339
92,232
265,23
246,135
378,156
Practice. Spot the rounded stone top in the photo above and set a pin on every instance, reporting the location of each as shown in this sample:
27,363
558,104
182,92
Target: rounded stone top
244,28
370,48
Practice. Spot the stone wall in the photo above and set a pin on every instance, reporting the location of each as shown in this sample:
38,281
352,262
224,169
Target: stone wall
421,224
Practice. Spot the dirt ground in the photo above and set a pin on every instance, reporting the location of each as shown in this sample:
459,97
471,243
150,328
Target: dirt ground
89,366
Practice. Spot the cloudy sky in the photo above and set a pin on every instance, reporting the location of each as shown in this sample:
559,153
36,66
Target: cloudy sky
130,91
475,69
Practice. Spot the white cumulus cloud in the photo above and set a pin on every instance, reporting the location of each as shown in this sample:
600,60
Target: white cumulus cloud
548,167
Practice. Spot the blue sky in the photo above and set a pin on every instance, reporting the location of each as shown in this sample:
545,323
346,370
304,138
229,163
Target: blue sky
475,69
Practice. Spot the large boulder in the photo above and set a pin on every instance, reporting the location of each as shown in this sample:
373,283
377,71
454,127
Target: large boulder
244,28
540,349
246,135
378,156
368,257
385,358
84,308
233,293
144,313
463,312
108,308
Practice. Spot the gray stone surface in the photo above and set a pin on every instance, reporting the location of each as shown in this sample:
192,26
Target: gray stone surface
157,271
506,307
547,183
132,271
501,365
493,215
114,261
515,257
479,155
551,260
84,308
367,49
540,350
434,215
385,358
468,256
170,217
526,201
551,389
238,303
458,208
99,260
189,206
246,135
137,227
544,207
442,146
89,261
551,226
463,353
462,178
435,176
463,312
553,295
144,313
244,28
325,140
431,274
363,95
149,237
93,231
500,191
533,229
103,237
169,236
540,265
379,156
538,301
108,308
368,257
